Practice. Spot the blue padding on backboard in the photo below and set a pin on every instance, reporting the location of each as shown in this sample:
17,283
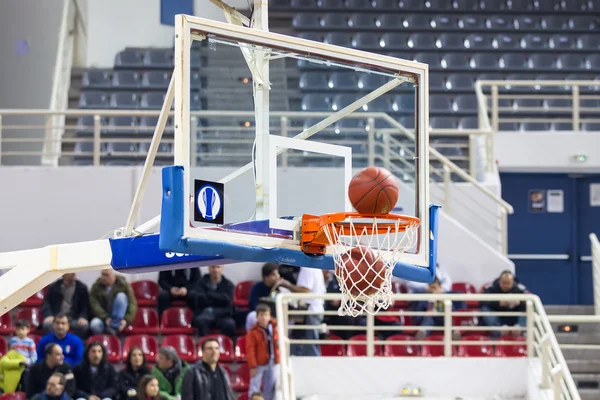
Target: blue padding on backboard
170,8
171,238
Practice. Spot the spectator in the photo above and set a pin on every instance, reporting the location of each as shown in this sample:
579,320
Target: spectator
40,372
148,389
440,274
262,353
71,344
207,379
263,290
12,366
180,284
130,376
23,344
95,378
257,396
55,389
333,305
68,296
310,280
169,371
506,283
215,299
112,303
434,287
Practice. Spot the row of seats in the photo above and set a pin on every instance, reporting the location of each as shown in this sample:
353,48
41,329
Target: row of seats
493,349
443,22
111,148
456,42
519,6
132,100
154,59
107,79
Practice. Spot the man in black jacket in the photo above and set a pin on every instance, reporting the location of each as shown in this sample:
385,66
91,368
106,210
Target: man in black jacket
41,371
215,302
505,284
176,285
95,379
207,379
70,296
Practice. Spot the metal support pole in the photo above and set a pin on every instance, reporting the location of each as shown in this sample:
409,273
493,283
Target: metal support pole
96,140
447,328
447,184
557,376
495,112
545,342
575,100
371,140
370,335
530,328
284,133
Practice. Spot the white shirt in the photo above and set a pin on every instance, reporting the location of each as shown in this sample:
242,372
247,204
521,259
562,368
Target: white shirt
313,280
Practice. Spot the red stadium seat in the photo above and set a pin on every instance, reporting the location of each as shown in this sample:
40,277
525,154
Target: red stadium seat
111,344
3,346
399,288
436,348
146,322
465,287
241,379
243,396
241,294
400,350
225,346
36,300
479,350
484,286
333,350
14,396
177,321
360,350
228,370
184,345
240,349
147,343
6,325
464,320
146,293
33,315
504,349
36,338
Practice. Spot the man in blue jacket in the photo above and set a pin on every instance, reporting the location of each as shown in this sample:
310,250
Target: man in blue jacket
55,388
71,344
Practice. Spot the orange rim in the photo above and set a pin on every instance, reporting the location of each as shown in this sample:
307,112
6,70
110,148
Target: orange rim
315,241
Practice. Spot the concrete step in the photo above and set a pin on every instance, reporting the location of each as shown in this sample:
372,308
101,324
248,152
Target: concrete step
589,394
579,338
584,366
580,354
569,310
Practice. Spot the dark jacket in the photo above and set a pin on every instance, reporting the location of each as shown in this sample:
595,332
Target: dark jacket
44,396
99,305
102,384
53,300
40,373
494,288
220,296
179,278
196,383
129,379
258,290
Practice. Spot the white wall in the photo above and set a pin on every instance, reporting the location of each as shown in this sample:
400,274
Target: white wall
547,152
116,24
360,377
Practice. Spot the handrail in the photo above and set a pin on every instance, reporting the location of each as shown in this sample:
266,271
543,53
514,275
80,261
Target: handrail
540,339
595,246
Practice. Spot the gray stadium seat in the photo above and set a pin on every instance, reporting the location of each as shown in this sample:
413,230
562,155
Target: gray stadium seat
562,42
533,42
436,82
416,21
484,61
570,62
562,126
422,41
314,36
443,123
152,101
527,22
385,4
499,22
122,124
404,103
306,21
368,81
444,22
433,59
465,103
395,41
162,147
411,4
88,147
457,61
335,21
580,22
93,100
505,42
476,41
330,4
509,126
555,23
279,3
366,41
460,82
157,79
124,100
519,5
589,42
466,5
593,62
380,104
126,80
315,102
362,21
148,124
471,22
493,5
129,58
343,80
528,103
303,4
545,6
96,79
407,121
589,103
535,126
436,5
122,147
313,80
158,58
449,41
439,103
197,102
358,4
513,61
389,21
338,39
590,126
468,123
85,125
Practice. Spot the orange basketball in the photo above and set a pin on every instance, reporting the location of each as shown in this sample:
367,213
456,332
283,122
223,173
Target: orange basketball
373,190
362,272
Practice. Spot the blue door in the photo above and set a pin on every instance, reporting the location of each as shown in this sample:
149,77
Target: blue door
588,221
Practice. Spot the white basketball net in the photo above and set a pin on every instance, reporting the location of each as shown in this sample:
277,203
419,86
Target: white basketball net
373,290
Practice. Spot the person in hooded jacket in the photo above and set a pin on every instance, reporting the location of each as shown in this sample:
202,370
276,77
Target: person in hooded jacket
95,378
506,283
130,376
169,370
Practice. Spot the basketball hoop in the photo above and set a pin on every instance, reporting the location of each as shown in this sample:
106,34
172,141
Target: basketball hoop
365,249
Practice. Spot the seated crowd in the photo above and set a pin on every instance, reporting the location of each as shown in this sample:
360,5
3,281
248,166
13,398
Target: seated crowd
61,367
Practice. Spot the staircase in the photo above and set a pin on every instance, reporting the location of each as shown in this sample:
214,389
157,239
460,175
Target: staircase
583,363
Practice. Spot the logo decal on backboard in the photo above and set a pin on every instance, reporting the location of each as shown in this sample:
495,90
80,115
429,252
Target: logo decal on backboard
209,205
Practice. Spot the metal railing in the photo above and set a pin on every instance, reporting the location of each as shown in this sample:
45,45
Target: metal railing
595,245
572,102
540,340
